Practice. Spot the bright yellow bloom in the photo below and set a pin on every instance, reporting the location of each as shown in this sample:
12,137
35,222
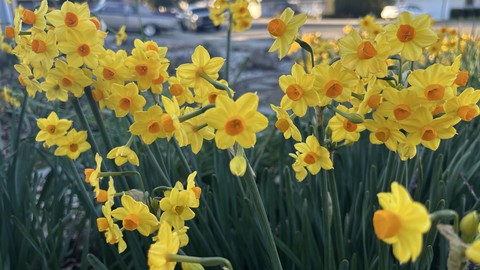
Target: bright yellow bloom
209,94
148,124
236,121
196,131
179,91
401,223
284,30
343,129
113,234
189,73
299,91
177,206
469,226
121,36
366,57
144,69
333,82
238,165
217,14
83,48
435,83
162,76
44,50
91,176
135,216
126,99
170,121
410,35
65,77
26,79
52,128
463,106
71,17
36,18
53,90
285,124
72,144
150,48
167,244
100,93
398,105
122,154
372,97
422,128
384,131
310,156
111,67
406,150
473,252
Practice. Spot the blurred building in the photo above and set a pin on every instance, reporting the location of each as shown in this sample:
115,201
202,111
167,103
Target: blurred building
446,9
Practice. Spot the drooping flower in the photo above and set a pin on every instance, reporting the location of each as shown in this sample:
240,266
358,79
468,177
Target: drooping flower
176,206
135,216
236,121
113,234
401,222
72,144
284,30
168,243
122,154
310,156
285,124
52,128
196,130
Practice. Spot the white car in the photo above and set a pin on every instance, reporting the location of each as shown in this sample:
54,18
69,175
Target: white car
392,12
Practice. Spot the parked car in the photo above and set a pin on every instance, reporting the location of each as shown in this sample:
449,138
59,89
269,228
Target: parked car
392,12
116,14
195,19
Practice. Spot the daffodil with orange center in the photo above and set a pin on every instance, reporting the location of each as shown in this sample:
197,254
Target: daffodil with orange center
148,124
190,73
150,48
333,82
135,216
82,48
44,50
398,105
69,78
196,130
462,76
143,69
161,78
384,131
410,35
36,18
72,144
51,129
101,92
284,30
168,243
236,121
423,128
122,154
434,84
92,177
179,91
464,106
209,94
401,222
113,234
285,124
70,17
310,156
299,91
27,79
176,206
171,123
372,96
126,99
343,129
111,67
366,57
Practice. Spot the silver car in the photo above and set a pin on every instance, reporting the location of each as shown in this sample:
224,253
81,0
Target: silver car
116,14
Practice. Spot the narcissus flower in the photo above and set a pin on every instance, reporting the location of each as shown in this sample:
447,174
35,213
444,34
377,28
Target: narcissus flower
236,121
72,144
36,18
310,156
179,91
434,83
284,30
145,69
299,91
70,17
52,128
189,73
26,79
410,35
398,105
135,216
285,124
384,131
238,165
44,50
366,57
111,67
401,222
168,243
333,82
83,48
122,154
197,130
344,129
126,99
176,206
463,106
113,234
148,124
473,252
65,77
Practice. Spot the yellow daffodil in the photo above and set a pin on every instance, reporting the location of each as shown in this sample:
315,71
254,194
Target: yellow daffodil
126,99
384,131
101,92
72,144
285,124
113,234
122,154
344,129
473,252
463,106
310,156
366,57
333,82
170,121
190,73
150,48
44,50
236,121
111,67
70,17
157,83
196,130
168,243
26,79
148,124
406,150
82,48
121,35
299,91
401,222
284,30
36,18
179,91
92,175
209,94
65,77
177,206
410,35
434,84
398,105
135,216
53,90
143,68
238,165
51,129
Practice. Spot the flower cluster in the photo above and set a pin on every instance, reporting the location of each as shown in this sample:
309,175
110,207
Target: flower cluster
238,10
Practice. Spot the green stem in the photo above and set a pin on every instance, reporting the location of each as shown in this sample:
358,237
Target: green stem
181,155
160,189
307,48
98,117
206,261
263,219
328,249
216,84
352,117
24,33
197,128
337,219
229,47
130,140
83,191
400,63
163,176
357,96
187,116
446,213
105,174
85,125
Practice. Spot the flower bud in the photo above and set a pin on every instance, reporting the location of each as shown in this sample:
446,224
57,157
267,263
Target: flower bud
238,165
468,226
